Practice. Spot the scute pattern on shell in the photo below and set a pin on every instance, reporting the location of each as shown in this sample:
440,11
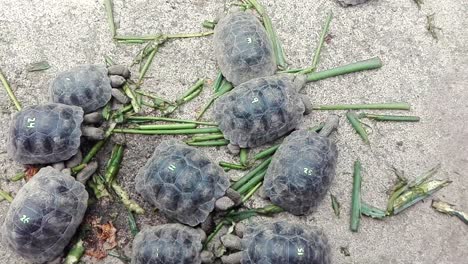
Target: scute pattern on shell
167,244
301,172
44,215
260,110
45,134
86,86
181,182
242,48
351,2
286,243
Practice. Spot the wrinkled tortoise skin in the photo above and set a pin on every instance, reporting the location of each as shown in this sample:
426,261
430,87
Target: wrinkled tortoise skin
45,134
181,182
260,110
44,215
351,2
285,243
86,86
167,244
242,48
301,172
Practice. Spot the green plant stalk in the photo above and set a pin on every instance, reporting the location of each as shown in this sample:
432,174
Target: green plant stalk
449,209
132,224
38,66
123,258
97,184
133,97
244,189
416,194
218,81
109,61
75,253
243,156
147,64
232,165
110,17
94,150
356,124
131,205
209,24
267,152
164,127
152,96
190,97
224,88
211,143
278,50
371,211
18,176
369,64
202,112
324,33
164,37
382,106
247,177
9,91
199,84
6,196
165,119
170,132
356,197
113,166
395,118
252,191
335,205
206,138
424,177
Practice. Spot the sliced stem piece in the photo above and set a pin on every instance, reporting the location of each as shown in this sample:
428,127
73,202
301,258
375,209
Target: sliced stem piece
232,165
382,106
369,64
243,156
169,132
125,198
395,118
166,119
5,195
267,152
356,124
75,253
206,138
247,177
132,224
324,33
356,197
147,64
164,127
371,211
18,176
10,93
244,189
211,143
110,17
335,205
252,191
113,165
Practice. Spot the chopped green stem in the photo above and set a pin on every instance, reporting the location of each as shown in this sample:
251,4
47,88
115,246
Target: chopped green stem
200,82
214,233
133,97
109,61
209,24
382,106
211,143
335,205
244,189
244,154
395,118
252,191
190,97
18,176
6,196
189,35
110,17
224,88
356,197
200,115
38,66
132,224
97,184
169,132
146,66
131,41
127,202
7,87
113,166
291,71
153,96
165,119
370,64
371,211
175,126
218,81
354,120
424,177
206,138
78,168
324,33
267,152
94,150
232,165
449,209
317,128
247,177
163,37
75,253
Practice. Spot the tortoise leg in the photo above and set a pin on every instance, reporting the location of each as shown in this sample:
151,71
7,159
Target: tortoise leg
92,133
207,226
307,105
233,149
206,256
75,160
119,69
117,81
93,118
87,172
231,199
234,258
119,96
232,242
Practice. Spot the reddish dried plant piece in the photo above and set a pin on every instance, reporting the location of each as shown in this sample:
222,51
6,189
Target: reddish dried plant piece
30,171
102,238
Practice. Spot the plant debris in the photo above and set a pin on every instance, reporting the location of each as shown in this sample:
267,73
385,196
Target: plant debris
335,205
449,209
431,27
345,251
103,238
38,66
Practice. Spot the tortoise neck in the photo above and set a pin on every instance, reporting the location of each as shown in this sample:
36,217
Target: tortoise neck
330,126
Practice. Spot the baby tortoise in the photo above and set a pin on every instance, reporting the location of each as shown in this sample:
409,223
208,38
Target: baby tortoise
278,243
170,244
242,48
44,215
302,169
184,184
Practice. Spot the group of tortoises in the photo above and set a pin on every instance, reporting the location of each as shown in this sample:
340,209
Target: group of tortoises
179,180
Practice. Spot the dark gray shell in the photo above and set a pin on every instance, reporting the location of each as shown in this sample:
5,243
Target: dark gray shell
301,171
44,215
285,243
351,2
45,134
182,182
260,110
86,86
242,48
167,244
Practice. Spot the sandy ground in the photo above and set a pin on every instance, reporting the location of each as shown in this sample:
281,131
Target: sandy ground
429,74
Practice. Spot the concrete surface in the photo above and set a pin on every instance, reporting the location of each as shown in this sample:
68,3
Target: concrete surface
429,74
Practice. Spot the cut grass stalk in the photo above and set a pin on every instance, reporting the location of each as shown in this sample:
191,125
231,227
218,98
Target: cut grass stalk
224,88
75,253
369,64
127,202
317,128
110,17
10,93
206,138
267,152
166,119
209,24
169,132
18,176
324,33
196,87
174,126
382,106
247,177
5,195
132,224
335,205
395,118
38,66
232,166
252,191
371,211
243,156
356,197
161,38
113,165
218,81
146,66
210,143
356,124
